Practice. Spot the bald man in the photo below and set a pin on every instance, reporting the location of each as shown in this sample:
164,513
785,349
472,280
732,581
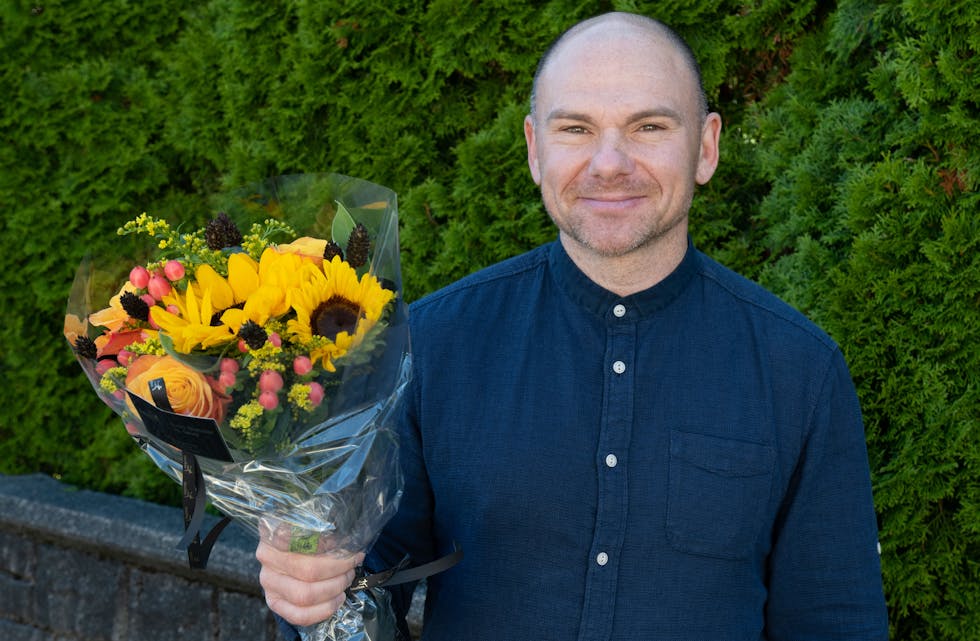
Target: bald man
628,440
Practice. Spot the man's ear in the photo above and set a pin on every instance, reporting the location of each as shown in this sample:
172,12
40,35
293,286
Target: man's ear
532,156
708,153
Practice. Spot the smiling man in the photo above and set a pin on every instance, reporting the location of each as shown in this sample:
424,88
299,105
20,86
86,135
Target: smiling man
634,442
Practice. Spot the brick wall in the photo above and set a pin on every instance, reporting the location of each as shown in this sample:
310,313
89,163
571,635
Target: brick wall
84,566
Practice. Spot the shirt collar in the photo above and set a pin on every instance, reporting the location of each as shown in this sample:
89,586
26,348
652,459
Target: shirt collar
583,291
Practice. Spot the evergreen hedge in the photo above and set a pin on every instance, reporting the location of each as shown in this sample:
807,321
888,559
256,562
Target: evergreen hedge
848,185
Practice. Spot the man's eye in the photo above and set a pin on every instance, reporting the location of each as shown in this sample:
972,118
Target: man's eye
650,127
573,129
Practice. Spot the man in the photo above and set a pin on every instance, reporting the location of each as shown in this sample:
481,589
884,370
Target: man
627,440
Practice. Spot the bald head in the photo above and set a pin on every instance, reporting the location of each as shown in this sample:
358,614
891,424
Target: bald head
625,24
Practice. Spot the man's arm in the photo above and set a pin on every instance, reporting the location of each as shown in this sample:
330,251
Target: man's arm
824,569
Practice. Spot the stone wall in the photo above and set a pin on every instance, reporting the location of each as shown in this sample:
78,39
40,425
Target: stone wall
83,566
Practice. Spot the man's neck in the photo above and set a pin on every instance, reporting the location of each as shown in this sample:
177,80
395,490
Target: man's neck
633,272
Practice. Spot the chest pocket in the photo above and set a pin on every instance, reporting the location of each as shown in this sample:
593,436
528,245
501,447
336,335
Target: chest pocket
718,494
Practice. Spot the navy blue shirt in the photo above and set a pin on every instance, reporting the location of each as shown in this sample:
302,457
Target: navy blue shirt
684,463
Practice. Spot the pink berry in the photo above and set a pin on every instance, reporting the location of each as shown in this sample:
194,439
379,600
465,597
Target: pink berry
275,339
119,395
124,357
229,365
269,400
173,309
302,365
174,270
139,277
227,379
242,347
316,393
133,428
270,381
158,287
104,365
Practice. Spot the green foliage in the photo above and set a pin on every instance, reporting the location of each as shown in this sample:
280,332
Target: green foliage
847,184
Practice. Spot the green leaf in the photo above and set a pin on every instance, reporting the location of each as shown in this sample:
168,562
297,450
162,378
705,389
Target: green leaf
343,225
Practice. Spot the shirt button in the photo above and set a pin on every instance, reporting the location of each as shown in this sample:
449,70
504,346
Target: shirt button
602,558
611,460
619,367
619,311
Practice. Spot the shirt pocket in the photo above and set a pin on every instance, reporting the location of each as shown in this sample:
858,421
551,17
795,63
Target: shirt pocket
718,494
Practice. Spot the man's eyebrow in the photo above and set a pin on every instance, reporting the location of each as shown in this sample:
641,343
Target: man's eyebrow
658,112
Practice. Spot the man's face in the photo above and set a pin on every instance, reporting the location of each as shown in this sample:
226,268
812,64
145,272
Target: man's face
617,141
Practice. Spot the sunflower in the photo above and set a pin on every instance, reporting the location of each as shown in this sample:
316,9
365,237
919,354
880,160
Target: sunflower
260,289
334,309
192,325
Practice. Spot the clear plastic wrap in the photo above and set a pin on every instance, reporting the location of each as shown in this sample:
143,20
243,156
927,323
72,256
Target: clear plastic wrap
273,376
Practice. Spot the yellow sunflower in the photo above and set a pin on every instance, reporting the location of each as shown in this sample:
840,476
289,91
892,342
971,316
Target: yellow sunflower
192,326
334,309
260,289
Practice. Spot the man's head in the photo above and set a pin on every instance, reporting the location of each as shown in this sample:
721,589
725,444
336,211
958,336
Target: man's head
619,134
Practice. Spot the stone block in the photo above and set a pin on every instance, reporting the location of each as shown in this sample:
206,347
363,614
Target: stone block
17,557
75,593
16,598
244,616
164,607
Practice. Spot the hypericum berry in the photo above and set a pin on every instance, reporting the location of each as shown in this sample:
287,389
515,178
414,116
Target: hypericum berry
222,232
227,379
173,270
139,277
135,306
124,357
358,245
332,249
85,347
229,365
270,381
104,365
158,287
268,400
302,365
275,339
316,393
253,334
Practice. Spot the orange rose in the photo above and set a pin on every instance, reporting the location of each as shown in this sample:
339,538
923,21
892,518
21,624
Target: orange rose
189,391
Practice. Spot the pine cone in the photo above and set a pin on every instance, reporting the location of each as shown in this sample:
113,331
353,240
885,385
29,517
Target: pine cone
332,249
253,334
221,232
85,347
358,245
135,306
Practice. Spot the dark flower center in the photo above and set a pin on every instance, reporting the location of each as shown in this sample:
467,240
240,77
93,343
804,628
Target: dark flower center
334,316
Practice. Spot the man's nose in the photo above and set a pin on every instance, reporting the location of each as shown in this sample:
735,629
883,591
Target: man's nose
611,156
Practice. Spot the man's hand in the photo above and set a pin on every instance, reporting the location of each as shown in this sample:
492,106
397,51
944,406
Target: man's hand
304,589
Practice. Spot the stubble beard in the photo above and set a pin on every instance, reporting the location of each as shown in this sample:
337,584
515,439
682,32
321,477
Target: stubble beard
577,228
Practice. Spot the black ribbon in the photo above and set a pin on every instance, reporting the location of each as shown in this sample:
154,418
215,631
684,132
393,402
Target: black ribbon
399,574
195,497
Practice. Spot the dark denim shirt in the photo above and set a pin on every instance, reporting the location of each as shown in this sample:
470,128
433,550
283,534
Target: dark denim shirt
685,463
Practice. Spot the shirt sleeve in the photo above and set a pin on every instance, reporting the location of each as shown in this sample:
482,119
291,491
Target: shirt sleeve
824,569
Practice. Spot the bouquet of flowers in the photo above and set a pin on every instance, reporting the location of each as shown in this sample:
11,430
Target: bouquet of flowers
258,360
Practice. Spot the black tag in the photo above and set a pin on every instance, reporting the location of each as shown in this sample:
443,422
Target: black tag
193,434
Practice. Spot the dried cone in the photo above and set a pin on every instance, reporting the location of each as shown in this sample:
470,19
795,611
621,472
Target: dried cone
222,232
85,347
358,246
332,249
135,306
253,334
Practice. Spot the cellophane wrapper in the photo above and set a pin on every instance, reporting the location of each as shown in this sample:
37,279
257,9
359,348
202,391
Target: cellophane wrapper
320,482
